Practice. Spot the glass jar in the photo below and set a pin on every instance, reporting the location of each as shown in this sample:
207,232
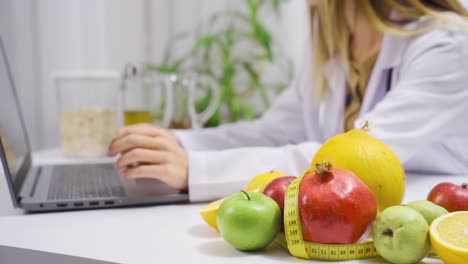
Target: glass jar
181,92
88,105
165,100
137,95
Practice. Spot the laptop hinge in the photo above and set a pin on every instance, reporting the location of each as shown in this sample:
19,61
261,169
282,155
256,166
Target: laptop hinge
36,180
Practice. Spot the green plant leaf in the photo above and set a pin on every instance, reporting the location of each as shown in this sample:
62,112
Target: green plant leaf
276,4
258,84
247,112
235,108
215,119
204,70
204,41
264,38
161,68
252,5
202,104
215,53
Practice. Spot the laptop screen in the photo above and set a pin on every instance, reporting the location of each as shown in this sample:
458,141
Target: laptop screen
12,132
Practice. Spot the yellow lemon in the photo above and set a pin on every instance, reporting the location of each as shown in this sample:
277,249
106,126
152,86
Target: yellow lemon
370,160
209,212
260,181
449,237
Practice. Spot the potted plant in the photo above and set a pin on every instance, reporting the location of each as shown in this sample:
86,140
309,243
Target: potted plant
234,48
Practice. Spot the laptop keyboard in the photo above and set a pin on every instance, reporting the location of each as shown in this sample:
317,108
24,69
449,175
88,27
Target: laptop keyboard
83,181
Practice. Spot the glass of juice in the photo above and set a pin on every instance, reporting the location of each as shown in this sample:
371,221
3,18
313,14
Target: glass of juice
141,101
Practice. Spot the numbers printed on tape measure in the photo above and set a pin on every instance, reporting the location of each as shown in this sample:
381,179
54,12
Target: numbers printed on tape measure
304,249
291,213
292,226
295,242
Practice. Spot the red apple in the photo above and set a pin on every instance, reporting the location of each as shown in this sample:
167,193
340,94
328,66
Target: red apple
335,206
451,196
276,190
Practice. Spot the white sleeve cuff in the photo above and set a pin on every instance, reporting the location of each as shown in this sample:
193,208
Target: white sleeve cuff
203,185
217,174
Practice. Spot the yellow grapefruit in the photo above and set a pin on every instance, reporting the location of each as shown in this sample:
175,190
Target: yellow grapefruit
370,159
260,181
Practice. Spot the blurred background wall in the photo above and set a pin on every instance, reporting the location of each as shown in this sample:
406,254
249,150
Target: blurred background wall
53,35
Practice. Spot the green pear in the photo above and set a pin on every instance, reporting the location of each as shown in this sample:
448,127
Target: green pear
401,235
428,209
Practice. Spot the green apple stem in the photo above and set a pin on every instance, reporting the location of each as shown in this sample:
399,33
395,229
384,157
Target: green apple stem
387,232
464,185
246,194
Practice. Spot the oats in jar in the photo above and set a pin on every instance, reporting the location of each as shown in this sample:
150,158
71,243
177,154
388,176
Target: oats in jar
87,132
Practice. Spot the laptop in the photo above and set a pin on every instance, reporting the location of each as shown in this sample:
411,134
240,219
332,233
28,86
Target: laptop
65,186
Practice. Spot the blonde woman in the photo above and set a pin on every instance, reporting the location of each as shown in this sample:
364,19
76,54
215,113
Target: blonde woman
402,64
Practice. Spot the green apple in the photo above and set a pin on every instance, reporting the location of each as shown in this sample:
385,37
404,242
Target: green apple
249,221
401,235
428,209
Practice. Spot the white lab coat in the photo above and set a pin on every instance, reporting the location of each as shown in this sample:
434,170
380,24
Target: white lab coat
423,118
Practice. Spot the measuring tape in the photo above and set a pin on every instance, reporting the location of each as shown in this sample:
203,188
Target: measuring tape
292,240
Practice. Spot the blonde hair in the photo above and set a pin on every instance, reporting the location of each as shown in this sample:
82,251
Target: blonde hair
330,34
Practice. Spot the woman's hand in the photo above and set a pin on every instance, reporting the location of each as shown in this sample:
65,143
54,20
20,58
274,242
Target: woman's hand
150,152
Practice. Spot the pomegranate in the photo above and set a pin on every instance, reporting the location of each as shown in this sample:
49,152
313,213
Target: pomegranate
276,190
453,197
335,206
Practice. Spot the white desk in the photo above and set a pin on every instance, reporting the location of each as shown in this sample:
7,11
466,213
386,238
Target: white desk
157,234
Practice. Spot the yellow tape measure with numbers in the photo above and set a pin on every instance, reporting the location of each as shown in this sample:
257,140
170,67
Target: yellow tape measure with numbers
293,241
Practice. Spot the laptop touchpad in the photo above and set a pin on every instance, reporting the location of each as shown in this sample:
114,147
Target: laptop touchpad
147,187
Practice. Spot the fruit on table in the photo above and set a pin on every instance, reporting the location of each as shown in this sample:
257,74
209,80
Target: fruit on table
260,181
335,206
449,237
401,235
453,197
249,221
276,190
209,212
370,160
427,209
